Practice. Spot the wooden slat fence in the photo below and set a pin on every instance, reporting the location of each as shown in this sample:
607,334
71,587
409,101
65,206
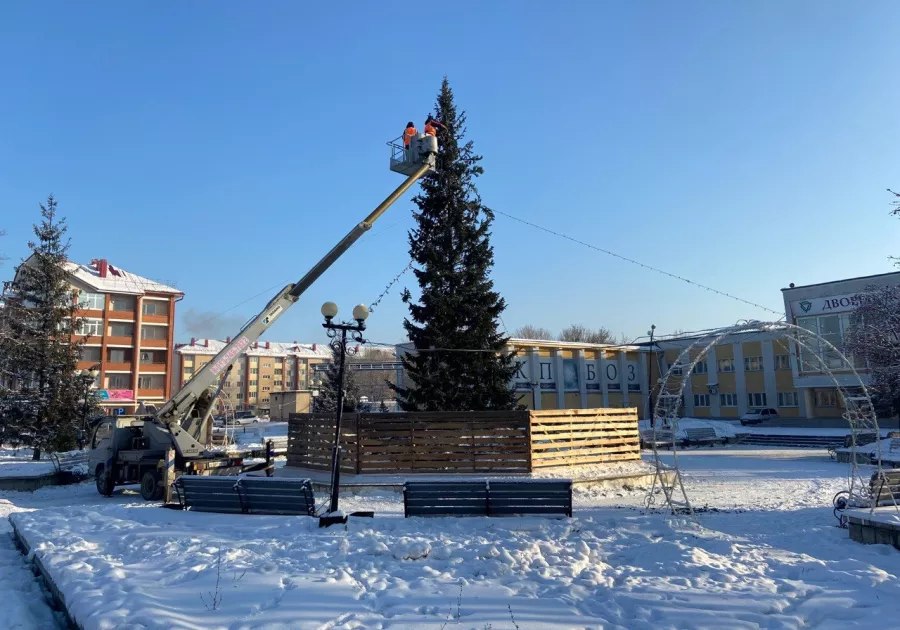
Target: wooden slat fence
464,442
570,437
449,442
311,437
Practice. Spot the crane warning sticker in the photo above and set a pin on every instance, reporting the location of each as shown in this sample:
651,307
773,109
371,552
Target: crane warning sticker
236,348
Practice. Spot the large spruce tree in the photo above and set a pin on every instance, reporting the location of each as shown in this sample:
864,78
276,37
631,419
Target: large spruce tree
39,347
459,362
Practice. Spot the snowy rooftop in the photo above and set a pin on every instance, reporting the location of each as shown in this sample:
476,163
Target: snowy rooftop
117,280
259,349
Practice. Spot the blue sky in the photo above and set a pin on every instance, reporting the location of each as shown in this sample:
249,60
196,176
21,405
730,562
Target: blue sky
227,146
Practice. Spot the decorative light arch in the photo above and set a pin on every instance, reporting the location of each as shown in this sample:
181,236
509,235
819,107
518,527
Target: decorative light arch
858,411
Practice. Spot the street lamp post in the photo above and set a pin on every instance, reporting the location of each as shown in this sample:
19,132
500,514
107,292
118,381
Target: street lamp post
650,375
338,334
88,376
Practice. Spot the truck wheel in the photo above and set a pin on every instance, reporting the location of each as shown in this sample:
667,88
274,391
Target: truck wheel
151,489
104,480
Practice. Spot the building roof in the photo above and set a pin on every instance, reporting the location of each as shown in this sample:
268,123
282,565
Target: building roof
117,280
819,284
275,349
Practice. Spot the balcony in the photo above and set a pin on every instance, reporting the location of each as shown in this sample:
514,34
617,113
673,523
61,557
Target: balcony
126,366
155,319
120,341
122,315
154,343
153,368
150,393
91,340
92,313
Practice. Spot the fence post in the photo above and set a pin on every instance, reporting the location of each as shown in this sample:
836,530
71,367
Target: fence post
358,443
528,416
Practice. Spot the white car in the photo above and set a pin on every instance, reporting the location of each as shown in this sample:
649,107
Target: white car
757,416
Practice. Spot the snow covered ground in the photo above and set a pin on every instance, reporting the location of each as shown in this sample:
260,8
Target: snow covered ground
18,463
777,561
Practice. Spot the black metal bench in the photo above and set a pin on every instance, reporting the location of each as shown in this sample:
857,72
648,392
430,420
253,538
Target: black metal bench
886,490
701,435
519,497
245,495
664,438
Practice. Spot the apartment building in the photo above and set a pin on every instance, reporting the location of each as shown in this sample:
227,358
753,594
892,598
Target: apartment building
267,367
128,322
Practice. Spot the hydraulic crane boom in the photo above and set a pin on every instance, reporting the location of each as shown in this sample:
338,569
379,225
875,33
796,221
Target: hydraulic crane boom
176,414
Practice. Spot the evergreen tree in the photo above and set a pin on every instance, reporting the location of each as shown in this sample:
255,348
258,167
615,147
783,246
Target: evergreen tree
458,307
39,348
328,391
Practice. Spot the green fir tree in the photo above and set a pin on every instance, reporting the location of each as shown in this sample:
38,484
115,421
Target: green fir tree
459,362
40,349
326,402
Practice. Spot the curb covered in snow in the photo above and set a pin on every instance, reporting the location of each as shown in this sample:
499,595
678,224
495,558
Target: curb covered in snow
29,483
35,561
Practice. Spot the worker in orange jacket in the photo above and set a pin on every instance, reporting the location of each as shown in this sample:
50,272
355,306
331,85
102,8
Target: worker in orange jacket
432,125
408,134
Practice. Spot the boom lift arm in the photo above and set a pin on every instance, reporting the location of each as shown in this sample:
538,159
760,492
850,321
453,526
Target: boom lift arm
176,414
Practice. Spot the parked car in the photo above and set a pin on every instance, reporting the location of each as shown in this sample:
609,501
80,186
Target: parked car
242,417
757,416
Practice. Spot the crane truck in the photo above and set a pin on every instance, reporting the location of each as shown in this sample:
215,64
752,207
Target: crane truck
154,449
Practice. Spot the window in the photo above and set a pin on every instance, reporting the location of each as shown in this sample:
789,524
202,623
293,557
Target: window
239,396
239,384
188,370
277,371
756,399
700,368
122,302
813,352
267,365
788,399
753,364
121,329
725,365
155,307
253,383
728,400
267,376
151,381
118,381
701,400
153,357
825,398
153,332
266,388
90,353
254,370
103,431
119,355
265,400
675,368
90,327
782,362
94,301
278,383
